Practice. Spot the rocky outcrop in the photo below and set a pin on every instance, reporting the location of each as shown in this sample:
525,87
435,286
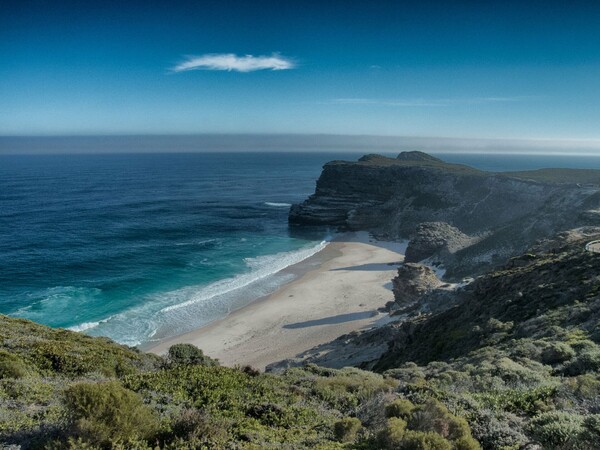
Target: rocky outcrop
392,196
417,156
554,285
412,282
354,349
436,239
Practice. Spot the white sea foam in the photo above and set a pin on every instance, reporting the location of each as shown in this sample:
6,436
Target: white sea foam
174,312
198,242
88,325
53,304
278,205
84,326
262,267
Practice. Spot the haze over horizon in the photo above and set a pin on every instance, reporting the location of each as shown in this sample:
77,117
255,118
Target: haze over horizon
514,75
360,144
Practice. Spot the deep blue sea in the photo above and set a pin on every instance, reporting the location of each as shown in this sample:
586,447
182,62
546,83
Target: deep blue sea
144,246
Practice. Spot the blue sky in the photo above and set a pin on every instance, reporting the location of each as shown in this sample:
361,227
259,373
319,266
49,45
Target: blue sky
465,69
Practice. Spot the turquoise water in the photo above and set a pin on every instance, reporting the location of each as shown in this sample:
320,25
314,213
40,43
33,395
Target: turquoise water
137,247
145,246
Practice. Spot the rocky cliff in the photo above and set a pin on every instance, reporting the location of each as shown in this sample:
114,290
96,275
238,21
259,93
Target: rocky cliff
504,213
517,350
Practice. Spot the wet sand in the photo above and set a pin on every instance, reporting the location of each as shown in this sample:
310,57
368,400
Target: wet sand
340,292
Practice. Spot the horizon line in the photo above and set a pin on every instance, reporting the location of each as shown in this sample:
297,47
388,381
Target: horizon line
286,142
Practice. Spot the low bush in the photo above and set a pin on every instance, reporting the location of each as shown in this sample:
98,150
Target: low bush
466,443
102,413
557,429
346,429
591,433
434,416
401,408
497,429
345,389
392,434
11,366
188,354
194,425
557,352
425,426
424,440
588,360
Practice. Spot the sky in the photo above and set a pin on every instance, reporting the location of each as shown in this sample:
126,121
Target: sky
456,69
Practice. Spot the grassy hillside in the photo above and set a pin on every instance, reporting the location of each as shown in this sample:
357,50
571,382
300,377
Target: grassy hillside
519,355
414,159
420,159
63,390
516,362
582,176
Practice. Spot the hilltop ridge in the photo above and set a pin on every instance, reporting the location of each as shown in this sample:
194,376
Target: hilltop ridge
503,213
508,360
416,155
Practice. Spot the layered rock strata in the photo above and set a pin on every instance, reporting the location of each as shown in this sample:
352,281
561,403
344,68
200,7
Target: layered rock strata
507,211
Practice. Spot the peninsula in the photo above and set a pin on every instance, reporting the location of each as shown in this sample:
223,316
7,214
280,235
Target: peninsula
484,337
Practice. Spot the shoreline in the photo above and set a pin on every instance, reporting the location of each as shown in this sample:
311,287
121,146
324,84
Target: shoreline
336,291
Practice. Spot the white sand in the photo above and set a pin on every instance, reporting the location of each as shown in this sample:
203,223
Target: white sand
337,297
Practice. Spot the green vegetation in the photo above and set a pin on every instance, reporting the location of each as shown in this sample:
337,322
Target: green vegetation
515,361
423,161
187,354
100,395
559,176
47,351
426,426
419,159
102,413
518,357
345,430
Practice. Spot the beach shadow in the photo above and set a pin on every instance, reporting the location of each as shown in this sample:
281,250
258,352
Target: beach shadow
332,320
371,267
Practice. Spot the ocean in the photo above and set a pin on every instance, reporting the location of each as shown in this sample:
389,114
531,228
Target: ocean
139,247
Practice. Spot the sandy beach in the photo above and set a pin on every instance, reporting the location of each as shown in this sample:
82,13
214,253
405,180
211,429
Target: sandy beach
341,291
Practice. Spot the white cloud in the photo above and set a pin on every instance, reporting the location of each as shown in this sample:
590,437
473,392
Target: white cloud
232,62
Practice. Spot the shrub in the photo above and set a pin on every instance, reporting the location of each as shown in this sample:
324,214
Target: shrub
557,352
400,408
392,434
345,430
587,361
591,433
55,351
107,412
188,354
518,401
427,426
434,416
250,371
345,389
466,443
195,425
270,414
396,435
497,430
11,366
371,412
556,429
409,373
424,440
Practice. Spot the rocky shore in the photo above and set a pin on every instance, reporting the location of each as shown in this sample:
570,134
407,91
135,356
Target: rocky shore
469,219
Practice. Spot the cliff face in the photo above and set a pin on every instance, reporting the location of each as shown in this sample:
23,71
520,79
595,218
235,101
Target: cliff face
516,349
555,286
508,212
